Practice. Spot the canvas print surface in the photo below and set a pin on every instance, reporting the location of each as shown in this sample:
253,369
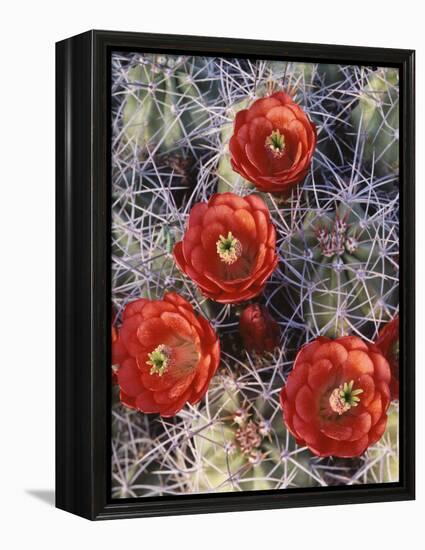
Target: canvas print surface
254,257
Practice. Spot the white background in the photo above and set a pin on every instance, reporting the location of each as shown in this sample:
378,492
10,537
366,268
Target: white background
28,33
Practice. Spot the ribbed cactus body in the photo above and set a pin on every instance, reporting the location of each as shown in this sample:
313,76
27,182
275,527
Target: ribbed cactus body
129,451
244,447
293,74
342,271
376,116
383,457
162,165
140,260
229,179
303,79
166,102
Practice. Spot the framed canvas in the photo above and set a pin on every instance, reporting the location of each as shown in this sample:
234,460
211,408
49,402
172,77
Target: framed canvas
235,275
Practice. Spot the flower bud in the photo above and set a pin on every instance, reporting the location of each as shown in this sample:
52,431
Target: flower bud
259,331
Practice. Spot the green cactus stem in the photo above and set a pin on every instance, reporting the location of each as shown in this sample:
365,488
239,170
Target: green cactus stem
238,450
381,464
331,279
376,116
341,260
167,102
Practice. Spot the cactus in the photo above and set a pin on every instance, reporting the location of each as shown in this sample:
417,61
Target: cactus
341,262
381,465
303,77
228,179
377,117
158,175
243,445
134,462
167,102
138,260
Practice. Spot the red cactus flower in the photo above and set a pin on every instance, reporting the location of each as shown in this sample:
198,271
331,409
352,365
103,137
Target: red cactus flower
228,249
259,331
336,397
389,343
171,355
273,143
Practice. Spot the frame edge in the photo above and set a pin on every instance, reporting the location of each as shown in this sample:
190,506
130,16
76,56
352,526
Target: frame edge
79,176
74,418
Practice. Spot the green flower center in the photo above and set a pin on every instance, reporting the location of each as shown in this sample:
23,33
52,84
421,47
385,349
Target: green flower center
275,143
159,360
344,397
229,248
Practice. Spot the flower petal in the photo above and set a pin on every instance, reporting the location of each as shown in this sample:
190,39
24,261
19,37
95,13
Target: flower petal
129,378
337,431
333,351
306,404
177,324
321,374
197,214
358,363
296,379
352,343
382,367
280,117
349,449
133,308
145,402
261,107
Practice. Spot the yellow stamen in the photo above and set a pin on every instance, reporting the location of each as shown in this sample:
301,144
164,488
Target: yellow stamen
344,397
159,359
229,248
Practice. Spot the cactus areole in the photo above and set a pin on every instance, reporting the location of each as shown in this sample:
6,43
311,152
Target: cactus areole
342,267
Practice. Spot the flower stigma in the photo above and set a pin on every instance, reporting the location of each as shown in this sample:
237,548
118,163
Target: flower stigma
229,248
159,360
344,397
275,143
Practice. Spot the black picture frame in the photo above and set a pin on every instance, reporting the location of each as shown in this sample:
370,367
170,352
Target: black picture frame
83,265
